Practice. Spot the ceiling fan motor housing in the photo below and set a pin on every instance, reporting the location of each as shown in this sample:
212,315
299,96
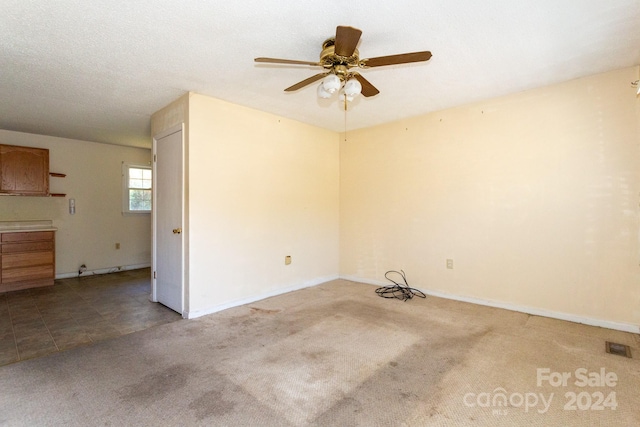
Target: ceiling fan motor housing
339,65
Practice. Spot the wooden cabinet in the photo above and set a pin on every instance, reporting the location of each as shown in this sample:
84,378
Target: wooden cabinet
24,170
27,259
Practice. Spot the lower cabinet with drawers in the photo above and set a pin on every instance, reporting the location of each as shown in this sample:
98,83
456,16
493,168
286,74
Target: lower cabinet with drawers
27,260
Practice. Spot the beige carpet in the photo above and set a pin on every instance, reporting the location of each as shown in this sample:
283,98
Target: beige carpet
336,355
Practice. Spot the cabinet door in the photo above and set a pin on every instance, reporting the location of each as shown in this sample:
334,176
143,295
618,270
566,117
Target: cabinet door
24,170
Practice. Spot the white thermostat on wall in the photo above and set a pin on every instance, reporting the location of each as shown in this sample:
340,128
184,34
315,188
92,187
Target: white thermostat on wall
72,206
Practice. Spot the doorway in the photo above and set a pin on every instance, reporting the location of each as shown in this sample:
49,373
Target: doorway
168,219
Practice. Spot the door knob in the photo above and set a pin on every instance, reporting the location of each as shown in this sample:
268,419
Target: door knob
177,230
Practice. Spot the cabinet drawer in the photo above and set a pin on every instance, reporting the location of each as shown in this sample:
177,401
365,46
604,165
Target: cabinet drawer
8,248
30,236
30,273
26,259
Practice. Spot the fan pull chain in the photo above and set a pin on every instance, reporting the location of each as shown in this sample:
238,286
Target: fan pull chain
345,117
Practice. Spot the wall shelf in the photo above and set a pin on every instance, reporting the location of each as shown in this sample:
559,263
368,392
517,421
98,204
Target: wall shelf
57,175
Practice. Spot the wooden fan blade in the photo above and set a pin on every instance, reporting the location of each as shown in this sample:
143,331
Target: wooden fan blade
346,40
402,58
305,82
367,88
285,61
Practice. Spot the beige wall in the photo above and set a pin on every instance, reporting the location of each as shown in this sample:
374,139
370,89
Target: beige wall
260,187
534,196
94,179
171,116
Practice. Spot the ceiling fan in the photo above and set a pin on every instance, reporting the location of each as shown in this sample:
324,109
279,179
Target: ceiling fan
338,56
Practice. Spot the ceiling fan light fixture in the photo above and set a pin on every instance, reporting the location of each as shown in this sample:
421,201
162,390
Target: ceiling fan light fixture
338,56
352,88
322,93
331,83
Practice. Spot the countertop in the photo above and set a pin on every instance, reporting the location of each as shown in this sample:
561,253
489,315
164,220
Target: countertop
22,226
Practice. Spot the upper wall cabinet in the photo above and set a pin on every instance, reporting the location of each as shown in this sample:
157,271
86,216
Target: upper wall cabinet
24,170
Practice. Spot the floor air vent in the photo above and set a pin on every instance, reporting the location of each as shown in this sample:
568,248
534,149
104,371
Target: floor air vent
619,349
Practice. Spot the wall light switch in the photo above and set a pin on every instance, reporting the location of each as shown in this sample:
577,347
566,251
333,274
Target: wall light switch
287,260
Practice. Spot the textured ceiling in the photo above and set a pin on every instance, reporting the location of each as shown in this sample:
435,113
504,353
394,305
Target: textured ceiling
97,70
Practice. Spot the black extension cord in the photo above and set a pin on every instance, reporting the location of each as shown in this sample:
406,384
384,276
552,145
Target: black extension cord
397,290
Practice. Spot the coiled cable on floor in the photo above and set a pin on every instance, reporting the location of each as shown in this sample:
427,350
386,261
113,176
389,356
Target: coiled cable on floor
397,290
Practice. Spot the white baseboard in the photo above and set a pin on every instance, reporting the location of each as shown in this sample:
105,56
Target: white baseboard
254,298
103,271
619,326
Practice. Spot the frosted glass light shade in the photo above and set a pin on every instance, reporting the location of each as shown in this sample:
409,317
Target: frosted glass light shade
352,87
331,83
323,93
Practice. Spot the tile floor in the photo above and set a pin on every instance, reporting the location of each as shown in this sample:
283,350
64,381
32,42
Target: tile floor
77,311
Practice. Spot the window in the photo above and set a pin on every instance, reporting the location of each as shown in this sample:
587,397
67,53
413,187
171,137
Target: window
137,182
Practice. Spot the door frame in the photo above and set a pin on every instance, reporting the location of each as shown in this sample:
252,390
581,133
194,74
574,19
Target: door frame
154,217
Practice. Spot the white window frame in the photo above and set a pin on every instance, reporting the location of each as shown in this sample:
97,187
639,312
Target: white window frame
125,188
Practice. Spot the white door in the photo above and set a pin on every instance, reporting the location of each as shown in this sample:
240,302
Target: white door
168,232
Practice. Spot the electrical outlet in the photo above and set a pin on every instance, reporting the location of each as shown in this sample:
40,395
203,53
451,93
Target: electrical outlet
117,245
287,260
450,264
